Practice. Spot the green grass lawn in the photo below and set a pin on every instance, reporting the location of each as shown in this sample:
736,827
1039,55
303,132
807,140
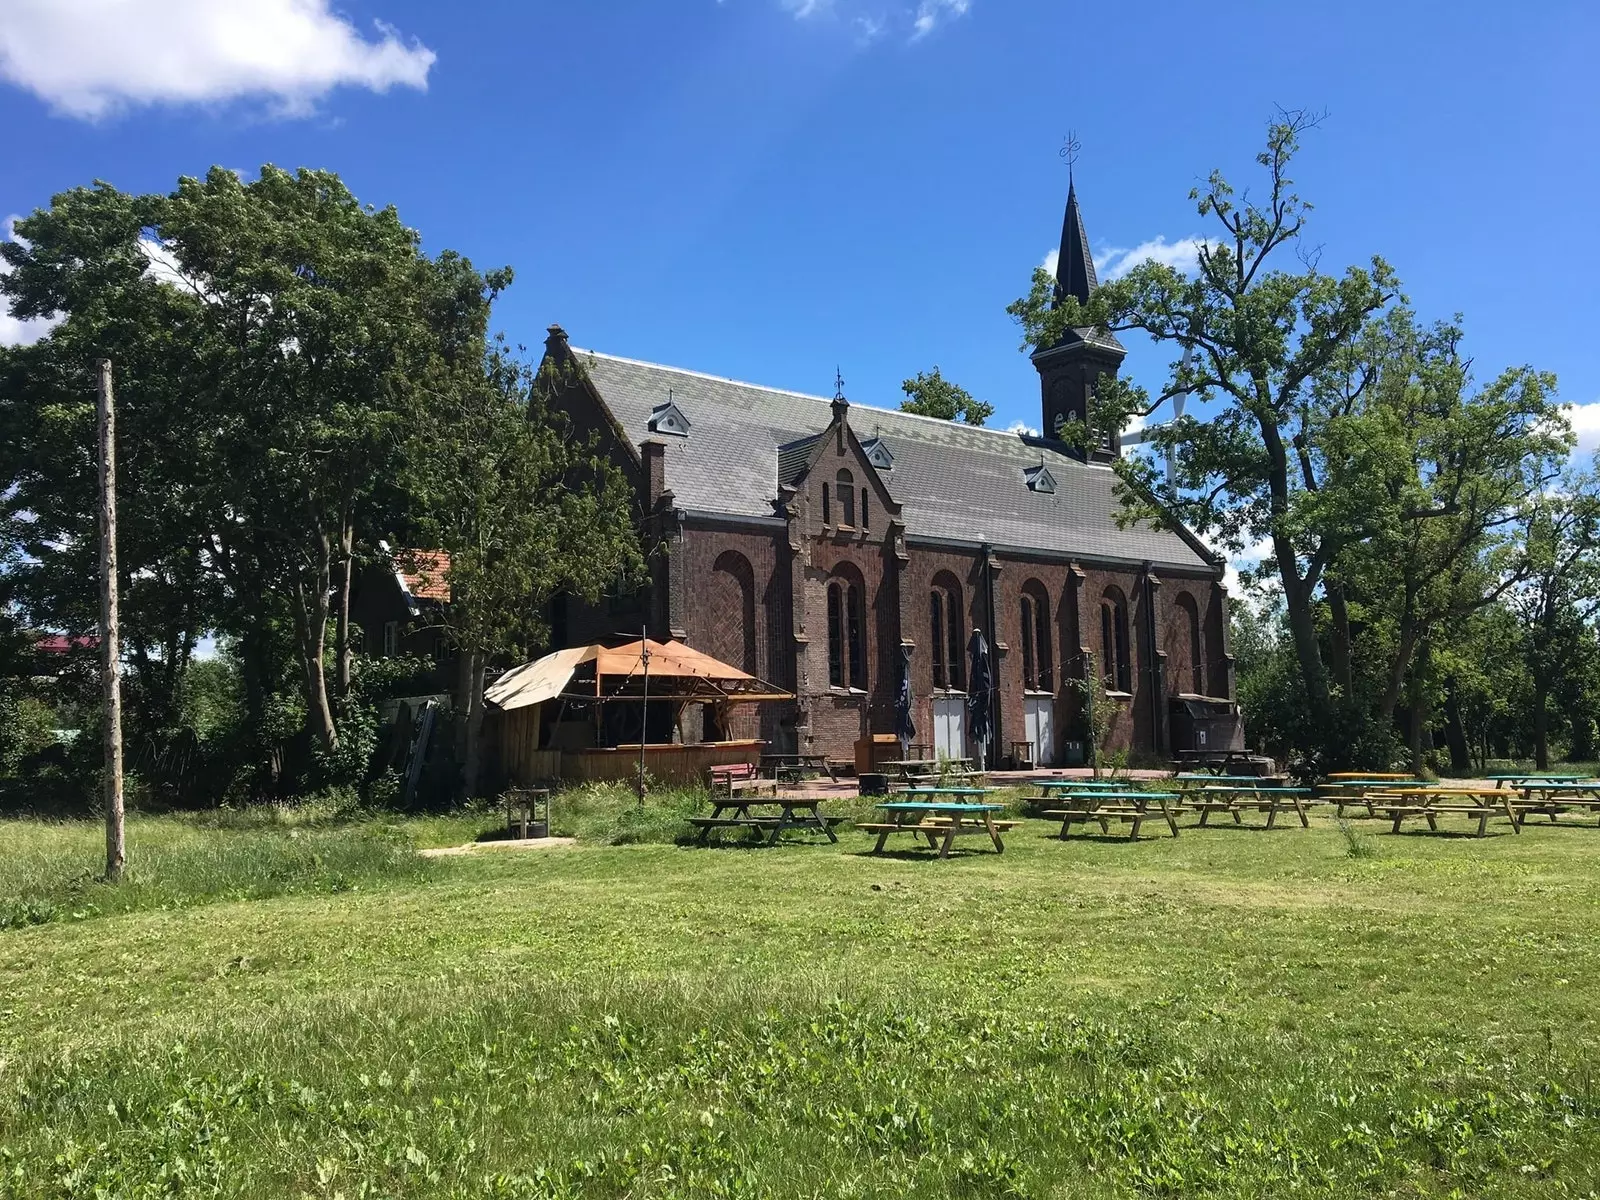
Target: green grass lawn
280,1006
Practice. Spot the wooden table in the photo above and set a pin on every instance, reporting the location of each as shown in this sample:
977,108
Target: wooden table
916,772
1435,802
940,821
1049,787
1235,798
796,765
1103,807
798,812
1518,778
1202,777
1364,793
1402,775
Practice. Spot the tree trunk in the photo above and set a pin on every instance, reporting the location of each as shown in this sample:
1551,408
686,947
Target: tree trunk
1399,668
116,848
1541,721
1455,732
343,655
1339,642
311,625
1303,629
471,763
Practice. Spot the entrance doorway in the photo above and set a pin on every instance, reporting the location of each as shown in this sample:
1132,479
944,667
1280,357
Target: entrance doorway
1038,721
950,725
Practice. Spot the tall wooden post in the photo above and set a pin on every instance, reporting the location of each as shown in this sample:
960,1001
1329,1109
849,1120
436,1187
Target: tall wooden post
112,673
644,719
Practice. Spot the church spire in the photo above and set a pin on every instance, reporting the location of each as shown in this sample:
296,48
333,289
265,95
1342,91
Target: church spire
1074,265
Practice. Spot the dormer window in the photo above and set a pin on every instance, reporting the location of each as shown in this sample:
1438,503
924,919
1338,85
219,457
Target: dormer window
877,452
1039,479
669,418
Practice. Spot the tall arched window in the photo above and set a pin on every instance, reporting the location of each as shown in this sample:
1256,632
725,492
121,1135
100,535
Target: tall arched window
1115,664
1189,614
847,635
846,484
1035,635
944,613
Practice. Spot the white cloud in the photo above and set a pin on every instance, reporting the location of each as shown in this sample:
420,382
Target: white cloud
1052,260
1182,255
88,58
1023,428
1249,558
1585,420
13,330
931,12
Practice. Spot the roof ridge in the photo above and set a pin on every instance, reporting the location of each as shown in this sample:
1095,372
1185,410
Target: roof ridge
873,408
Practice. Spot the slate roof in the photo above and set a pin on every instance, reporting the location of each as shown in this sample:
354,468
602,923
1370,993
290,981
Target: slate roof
953,481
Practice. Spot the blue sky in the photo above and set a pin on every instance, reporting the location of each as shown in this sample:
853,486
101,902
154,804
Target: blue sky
769,188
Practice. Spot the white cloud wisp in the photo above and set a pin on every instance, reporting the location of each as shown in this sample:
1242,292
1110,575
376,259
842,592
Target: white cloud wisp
90,58
13,330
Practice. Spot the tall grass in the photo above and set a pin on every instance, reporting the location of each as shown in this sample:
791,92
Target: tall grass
51,871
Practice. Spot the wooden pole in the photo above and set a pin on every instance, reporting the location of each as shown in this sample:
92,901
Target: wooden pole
116,849
644,718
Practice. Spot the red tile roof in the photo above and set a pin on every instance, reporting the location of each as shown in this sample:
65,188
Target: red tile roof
423,572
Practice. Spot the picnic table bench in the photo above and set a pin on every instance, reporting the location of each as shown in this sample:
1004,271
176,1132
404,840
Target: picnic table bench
737,778
939,821
1430,804
797,812
1103,807
1049,788
1236,799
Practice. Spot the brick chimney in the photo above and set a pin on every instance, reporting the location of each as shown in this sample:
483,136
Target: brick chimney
653,453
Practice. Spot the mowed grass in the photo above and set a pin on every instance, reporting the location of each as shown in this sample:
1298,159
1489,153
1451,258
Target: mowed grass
1231,1013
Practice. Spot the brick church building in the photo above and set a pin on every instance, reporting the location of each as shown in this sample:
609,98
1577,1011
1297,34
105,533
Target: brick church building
812,542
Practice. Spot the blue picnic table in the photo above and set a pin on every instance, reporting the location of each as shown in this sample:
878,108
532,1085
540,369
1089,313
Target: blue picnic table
1234,798
1102,807
938,820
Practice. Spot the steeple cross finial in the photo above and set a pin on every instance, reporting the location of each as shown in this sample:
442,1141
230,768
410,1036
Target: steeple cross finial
1069,153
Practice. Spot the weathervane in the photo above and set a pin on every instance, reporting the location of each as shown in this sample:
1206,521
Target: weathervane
1069,152
838,383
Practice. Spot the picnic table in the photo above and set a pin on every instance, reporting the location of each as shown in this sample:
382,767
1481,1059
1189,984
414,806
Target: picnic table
1553,797
795,766
938,820
1431,803
1236,798
1517,778
1206,777
1401,775
1103,807
797,812
1049,787
917,772
1364,793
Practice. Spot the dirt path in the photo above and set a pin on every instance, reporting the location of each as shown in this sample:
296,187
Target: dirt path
551,843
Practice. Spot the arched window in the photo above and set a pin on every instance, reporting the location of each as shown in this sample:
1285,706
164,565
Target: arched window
1035,636
944,613
847,635
1115,664
847,497
1189,614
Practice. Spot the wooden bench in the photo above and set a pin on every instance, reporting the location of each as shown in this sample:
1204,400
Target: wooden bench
737,778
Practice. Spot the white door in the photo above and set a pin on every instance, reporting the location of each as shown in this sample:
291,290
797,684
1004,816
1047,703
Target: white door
950,725
1038,719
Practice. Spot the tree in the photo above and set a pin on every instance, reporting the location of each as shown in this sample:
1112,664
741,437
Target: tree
930,394
1555,594
525,510
1345,436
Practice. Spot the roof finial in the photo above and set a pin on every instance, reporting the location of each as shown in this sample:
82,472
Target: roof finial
1069,152
838,384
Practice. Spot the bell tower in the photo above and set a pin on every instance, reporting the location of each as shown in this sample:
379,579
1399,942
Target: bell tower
1069,368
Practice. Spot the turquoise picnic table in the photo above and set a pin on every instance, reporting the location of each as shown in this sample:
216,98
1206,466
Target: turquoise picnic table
938,820
1552,797
1102,807
1517,778
1203,777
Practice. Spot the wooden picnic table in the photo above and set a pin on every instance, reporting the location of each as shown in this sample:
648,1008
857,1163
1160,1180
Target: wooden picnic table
921,772
1431,803
1236,798
1103,807
1049,787
1364,793
940,821
1204,777
798,812
1517,778
796,765
1370,775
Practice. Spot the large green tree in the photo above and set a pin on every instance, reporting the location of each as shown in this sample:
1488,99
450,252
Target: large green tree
930,394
